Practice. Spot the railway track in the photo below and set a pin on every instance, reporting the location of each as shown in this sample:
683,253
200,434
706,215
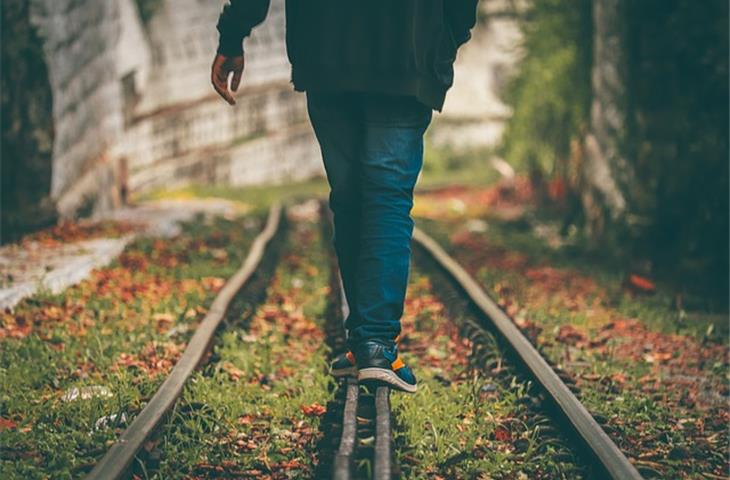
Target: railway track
117,461
594,442
359,426
365,433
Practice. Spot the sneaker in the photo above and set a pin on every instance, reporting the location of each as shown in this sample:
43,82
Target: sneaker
380,363
344,365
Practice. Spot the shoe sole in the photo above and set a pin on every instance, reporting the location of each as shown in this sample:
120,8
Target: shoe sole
386,376
344,372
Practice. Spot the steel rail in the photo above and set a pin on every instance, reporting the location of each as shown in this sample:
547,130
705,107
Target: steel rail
613,461
118,459
382,458
344,458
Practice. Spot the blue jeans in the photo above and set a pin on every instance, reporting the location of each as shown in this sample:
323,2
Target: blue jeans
372,146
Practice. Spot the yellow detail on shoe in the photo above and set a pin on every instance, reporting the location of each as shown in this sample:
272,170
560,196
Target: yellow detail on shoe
398,364
350,357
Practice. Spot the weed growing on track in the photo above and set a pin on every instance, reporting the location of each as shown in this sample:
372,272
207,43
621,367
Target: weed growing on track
254,412
466,421
654,375
77,366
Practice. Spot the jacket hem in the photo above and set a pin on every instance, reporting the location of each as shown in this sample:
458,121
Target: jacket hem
423,87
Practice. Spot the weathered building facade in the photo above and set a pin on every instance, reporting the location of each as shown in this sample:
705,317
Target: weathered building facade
133,108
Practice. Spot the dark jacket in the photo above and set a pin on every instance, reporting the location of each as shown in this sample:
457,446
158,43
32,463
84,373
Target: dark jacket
399,47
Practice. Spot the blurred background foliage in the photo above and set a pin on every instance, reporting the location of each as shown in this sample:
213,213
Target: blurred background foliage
551,94
677,143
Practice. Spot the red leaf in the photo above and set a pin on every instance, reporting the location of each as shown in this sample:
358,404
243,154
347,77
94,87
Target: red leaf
6,424
641,284
501,434
570,335
314,409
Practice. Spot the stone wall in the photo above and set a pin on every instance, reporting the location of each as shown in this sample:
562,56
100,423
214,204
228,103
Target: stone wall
79,42
474,114
161,148
183,132
183,39
133,108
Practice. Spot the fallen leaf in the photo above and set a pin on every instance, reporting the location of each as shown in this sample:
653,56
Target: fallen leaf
313,410
163,317
501,434
212,283
657,357
569,335
7,424
234,372
641,284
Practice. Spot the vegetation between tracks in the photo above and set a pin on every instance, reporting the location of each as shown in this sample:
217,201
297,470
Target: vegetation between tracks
647,358
471,417
254,411
77,366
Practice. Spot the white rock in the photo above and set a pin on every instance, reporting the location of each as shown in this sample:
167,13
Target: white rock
86,393
476,226
109,420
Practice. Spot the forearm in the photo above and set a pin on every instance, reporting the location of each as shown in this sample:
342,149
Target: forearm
461,15
236,21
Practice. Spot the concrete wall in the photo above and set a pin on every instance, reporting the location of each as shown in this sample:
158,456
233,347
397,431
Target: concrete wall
182,131
474,114
80,43
133,107
183,39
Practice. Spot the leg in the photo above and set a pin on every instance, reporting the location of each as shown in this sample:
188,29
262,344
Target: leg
339,134
391,159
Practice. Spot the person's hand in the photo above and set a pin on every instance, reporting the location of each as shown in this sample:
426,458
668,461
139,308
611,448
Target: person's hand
222,68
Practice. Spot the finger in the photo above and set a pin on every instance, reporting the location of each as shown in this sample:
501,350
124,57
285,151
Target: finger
216,69
219,79
236,81
222,90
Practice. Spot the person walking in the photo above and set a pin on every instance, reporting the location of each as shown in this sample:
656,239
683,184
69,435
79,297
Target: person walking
373,72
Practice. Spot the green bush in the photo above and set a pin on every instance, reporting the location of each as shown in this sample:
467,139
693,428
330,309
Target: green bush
677,74
551,94
679,83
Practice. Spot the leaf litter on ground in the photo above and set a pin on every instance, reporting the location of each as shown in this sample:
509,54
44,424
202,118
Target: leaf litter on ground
76,366
640,367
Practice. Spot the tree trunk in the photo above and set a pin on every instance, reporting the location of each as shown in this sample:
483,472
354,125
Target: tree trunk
607,176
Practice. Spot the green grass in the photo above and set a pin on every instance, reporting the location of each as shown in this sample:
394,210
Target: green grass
244,413
445,166
658,311
466,421
120,331
442,166
256,197
653,419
